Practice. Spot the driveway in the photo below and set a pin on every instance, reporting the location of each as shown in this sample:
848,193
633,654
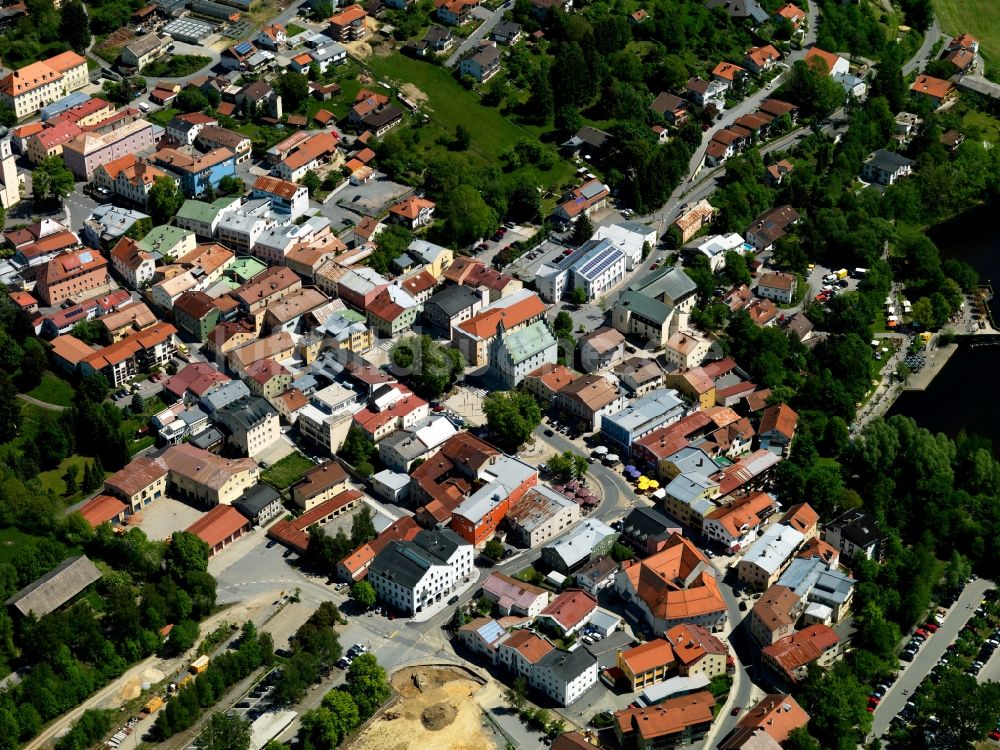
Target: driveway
912,674
488,24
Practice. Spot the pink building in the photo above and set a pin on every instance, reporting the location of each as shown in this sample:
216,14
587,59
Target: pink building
87,150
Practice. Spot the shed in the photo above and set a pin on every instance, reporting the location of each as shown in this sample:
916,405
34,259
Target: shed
56,587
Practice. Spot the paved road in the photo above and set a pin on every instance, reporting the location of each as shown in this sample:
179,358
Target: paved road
917,61
42,404
913,673
480,33
750,103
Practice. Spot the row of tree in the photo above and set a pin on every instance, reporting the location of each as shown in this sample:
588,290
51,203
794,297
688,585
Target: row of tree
342,711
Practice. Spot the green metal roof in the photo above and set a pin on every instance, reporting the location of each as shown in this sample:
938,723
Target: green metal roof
647,307
245,268
529,341
193,210
164,238
669,281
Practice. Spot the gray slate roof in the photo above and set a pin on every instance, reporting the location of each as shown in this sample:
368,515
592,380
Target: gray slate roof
406,563
56,587
453,299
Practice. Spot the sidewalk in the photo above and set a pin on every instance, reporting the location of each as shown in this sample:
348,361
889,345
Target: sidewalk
439,606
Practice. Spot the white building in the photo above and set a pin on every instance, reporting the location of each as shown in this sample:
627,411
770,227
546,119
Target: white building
540,515
411,576
767,557
514,355
714,247
252,423
779,287
629,237
564,675
403,447
601,268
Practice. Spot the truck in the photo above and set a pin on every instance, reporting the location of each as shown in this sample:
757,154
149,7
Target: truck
199,665
859,273
153,705
842,273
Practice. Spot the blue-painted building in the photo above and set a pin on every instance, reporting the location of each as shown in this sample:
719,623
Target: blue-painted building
196,172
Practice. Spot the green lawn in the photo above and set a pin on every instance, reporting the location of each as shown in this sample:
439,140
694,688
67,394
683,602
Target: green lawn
176,66
287,471
53,390
980,126
293,30
163,116
53,479
449,104
981,18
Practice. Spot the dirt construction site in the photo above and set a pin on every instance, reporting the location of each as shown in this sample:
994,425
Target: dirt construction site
436,710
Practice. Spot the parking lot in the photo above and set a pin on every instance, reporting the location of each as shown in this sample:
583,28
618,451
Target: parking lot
164,516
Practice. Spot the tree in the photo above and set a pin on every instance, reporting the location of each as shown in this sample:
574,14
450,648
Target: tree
293,88
231,184
466,215
186,554
578,296
493,549
8,117
327,726
367,683
73,26
512,416
562,327
567,465
70,479
34,360
582,230
516,695
800,739
10,409
362,527
542,102
358,447
363,593
736,269
524,203
183,636
226,732
192,99
463,137
164,201
312,182
51,180
431,367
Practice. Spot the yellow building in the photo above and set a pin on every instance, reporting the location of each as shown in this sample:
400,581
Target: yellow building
647,664
30,88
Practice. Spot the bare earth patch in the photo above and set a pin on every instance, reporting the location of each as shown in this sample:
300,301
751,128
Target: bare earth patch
436,710
414,94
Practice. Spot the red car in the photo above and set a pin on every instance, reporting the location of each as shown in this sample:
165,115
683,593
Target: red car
995,735
931,627
871,709
873,701
921,632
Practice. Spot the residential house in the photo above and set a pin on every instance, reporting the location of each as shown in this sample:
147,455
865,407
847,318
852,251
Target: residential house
789,658
584,542
545,382
454,12
831,63
705,93
514,597
771,226
885,167
196,313
391,408
777,428
507,33
411,576
49,142
777,286
601,348
184,129
475,273
348,25
590,400
413,212
647,530
260,504
826,593
776,715
675,585
697,651
567,613
693,219
774,615
309,155
252,424
132,317
197,172
855,532
597,575
482,63
671,107
675,722
564,676
767,557
71,275
638,375
132,263
203,218
401,449
453,305
212,137
687,349
778,171
581,201
540,515
761,59
735,525
272,36
482,636
522,651
84,153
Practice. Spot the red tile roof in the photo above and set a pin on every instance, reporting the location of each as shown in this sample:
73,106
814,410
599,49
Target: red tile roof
220,523
569,608
295,533
101,509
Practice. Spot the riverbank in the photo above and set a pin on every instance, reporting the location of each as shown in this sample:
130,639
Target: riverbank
937,358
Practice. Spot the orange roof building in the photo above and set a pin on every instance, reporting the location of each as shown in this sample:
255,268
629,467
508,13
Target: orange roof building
789,658
676,585
697,651
728,72
548,380
294,534
675,722
802,518
71,275
833,63
569,611
412,212
521,651
220,527
355,565
777,714
473,336
735,525
935,89
104,509
647,663
792,13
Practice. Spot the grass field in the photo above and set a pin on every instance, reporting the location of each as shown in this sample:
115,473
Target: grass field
293,29
981,18
287,471
53,479
53,390
449,104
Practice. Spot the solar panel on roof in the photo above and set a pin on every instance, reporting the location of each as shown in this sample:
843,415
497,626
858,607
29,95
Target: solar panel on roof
86,257
243,48
491,631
